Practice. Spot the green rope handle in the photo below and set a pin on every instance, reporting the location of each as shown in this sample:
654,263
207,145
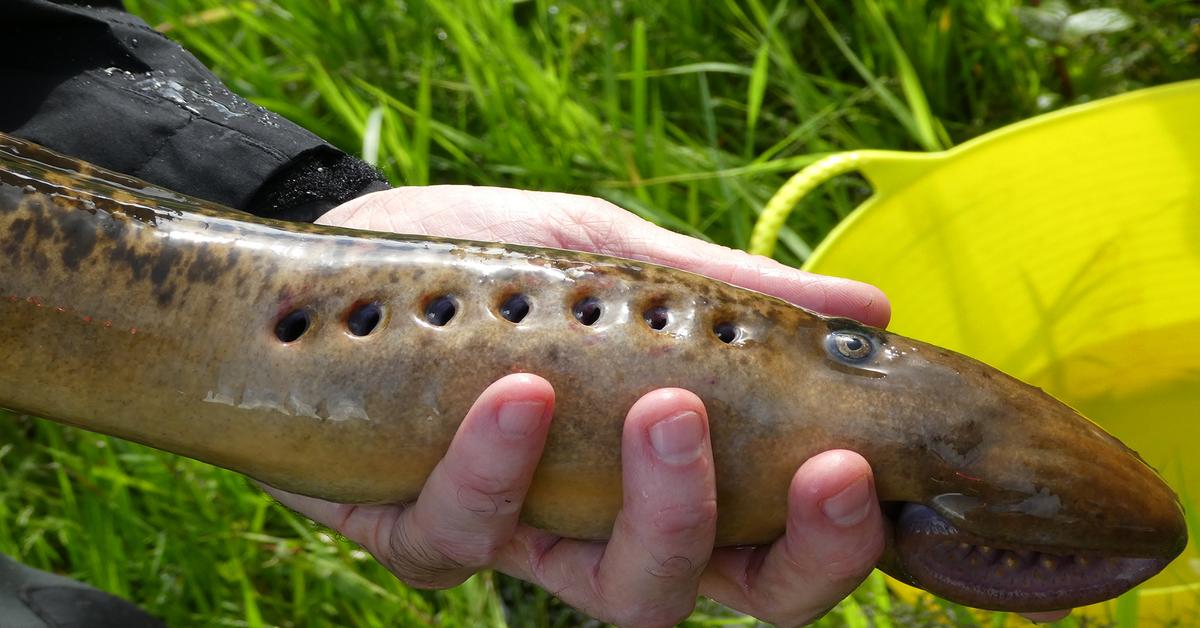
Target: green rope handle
775,214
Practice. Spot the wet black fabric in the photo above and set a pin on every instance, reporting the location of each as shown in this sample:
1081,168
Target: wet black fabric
97,83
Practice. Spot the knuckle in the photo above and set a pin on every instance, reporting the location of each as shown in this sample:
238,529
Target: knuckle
477,502
419,565
468,552
814,615
787,610
487,497
855,562
488,485
686,517
675,567
785,619
433,582
841,560
657,615
425,572
841,571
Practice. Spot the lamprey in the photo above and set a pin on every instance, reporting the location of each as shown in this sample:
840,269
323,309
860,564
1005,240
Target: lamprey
338,364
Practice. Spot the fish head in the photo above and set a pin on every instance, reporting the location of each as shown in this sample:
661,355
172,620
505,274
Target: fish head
1008,498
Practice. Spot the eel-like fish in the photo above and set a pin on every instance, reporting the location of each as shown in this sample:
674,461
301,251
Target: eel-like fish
338,364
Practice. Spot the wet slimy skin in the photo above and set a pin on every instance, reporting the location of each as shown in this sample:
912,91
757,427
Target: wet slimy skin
338,364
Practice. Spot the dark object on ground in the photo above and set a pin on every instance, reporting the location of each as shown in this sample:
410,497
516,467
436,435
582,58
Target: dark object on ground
35,599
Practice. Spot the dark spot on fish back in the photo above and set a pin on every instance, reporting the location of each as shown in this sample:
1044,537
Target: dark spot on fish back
160,274
108,227
138,264
79,232
41,225
39,261
207,267
165,295
241,290
17,230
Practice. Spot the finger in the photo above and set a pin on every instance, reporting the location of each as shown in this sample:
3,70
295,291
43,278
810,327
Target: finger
834,538
648,574
335,516
664,533
1046,616
590,224
470,503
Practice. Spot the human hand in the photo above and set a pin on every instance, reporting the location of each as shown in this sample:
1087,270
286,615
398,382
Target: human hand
660,556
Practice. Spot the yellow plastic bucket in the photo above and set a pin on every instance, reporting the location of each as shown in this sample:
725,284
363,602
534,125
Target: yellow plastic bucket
1064,250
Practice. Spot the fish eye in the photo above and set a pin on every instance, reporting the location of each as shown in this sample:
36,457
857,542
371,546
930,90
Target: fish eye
851,345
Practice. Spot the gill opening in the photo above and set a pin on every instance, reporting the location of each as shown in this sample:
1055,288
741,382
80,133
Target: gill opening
365,317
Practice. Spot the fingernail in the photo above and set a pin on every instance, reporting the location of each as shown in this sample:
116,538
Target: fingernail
520,418
850,506
678,440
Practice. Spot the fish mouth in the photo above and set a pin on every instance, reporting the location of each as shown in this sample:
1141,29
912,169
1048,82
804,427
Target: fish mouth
948,562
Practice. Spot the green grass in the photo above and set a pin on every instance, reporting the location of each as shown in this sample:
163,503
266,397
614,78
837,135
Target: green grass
690,114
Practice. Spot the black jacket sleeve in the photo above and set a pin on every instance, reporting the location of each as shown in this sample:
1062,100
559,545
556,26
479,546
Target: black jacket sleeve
99,84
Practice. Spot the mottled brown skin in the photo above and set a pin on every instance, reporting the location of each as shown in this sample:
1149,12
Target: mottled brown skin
136,312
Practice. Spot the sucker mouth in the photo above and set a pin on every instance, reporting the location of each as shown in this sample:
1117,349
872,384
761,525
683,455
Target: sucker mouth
953,564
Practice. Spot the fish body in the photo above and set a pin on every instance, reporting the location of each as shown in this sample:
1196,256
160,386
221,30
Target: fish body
339,363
